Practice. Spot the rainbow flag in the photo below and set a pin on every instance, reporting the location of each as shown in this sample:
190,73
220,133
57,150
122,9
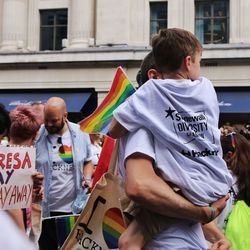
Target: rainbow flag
64,225
101,118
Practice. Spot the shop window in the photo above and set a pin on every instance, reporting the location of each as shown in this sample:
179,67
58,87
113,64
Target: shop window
212,21
158,17
53,28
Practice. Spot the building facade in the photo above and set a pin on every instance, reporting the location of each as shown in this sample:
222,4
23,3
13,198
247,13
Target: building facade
74,46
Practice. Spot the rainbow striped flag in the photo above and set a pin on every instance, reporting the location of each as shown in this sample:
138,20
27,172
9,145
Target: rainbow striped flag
64,225
100,119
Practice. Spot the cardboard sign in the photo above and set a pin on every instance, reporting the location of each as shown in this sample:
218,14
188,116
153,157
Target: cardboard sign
16,166
101,222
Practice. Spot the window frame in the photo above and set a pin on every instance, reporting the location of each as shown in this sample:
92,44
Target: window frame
54,26
213,19
151,34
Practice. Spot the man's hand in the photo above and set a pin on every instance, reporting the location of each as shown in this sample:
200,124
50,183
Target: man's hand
87,184
215,209
223,244
37,192
37,178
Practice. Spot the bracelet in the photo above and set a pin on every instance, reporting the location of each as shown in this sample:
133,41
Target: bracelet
212,216
86,178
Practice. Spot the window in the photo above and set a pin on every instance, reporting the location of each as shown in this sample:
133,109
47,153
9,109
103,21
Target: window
158,17
53,28
212,21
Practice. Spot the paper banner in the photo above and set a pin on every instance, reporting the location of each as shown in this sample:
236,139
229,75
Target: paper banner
16,166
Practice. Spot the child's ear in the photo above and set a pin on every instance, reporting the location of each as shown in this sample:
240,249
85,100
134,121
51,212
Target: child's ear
152,74
187,62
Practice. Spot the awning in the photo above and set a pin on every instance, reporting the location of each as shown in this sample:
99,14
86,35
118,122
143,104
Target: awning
234,101
74,100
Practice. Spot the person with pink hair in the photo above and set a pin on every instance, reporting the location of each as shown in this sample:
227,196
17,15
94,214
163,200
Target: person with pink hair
24,126
23,130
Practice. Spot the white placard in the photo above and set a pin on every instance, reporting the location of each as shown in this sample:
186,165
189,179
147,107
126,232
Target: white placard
16,166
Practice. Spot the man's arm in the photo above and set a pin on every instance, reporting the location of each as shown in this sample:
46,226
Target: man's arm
116,130
144,187
88,170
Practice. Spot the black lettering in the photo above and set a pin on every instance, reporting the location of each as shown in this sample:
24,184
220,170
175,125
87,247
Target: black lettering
1,179
9,174
86,240
95,246
85,226
177,117
186,153
79,235
180,127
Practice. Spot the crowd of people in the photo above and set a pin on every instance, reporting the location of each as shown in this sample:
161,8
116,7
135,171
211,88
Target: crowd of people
182,173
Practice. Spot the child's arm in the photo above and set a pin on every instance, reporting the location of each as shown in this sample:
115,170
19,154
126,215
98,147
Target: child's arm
116,130
214,235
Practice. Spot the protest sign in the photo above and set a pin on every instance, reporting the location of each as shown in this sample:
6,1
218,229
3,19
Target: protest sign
16,166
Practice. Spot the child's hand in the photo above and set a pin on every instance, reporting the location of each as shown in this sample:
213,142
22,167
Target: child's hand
223,244
216,208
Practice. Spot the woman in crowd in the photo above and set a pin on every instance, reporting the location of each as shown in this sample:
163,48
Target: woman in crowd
19,128
22,132
236,153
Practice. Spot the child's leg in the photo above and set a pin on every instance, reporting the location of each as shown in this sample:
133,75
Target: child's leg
132,238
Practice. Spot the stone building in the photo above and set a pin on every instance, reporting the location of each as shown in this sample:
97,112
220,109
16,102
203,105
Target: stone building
71,48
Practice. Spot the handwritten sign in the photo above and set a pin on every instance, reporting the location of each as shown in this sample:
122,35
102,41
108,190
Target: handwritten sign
16,166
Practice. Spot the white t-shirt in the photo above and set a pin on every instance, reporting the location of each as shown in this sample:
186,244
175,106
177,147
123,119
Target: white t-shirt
61,198
221,220
183,118
182,234
96,151
11,238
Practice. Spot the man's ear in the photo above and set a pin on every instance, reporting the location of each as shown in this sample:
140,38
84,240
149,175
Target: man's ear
65,115
152,74
228,155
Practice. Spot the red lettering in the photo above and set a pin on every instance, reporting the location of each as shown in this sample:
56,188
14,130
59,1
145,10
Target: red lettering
26,161
13,195
2,157
9,161
19,194
18,161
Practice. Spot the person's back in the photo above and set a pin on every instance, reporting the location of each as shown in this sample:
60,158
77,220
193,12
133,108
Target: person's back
182,113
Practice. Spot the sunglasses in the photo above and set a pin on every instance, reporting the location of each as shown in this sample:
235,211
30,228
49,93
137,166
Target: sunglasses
61,148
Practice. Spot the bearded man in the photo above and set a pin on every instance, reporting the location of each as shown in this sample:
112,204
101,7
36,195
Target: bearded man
63,155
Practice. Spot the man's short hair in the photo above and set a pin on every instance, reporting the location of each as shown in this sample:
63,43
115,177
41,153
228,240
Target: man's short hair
171,46
147,64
